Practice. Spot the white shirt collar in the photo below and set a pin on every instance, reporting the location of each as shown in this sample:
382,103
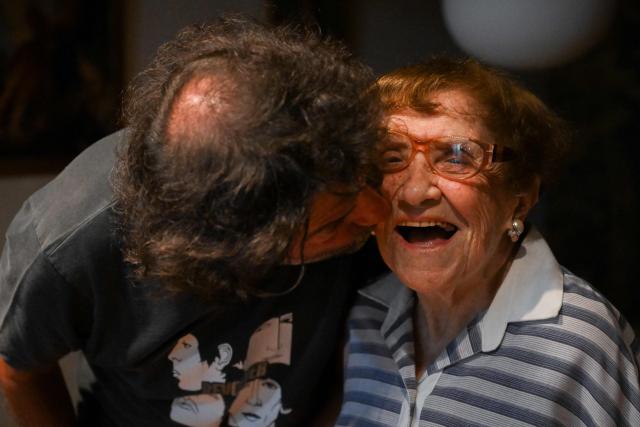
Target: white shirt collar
531,290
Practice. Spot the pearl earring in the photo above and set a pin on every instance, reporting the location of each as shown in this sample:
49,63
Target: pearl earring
517,227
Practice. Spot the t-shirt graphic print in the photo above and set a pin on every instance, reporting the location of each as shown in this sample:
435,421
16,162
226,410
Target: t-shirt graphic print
253,399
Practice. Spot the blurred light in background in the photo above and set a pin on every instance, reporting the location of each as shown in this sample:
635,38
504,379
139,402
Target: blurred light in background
527,34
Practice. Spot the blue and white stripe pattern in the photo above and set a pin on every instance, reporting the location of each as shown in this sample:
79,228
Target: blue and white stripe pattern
549,351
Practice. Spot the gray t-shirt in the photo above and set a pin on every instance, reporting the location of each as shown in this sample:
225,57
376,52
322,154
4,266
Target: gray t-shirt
158,361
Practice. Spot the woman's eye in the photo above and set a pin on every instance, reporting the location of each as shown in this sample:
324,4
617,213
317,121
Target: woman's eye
392,157
455,161
452,158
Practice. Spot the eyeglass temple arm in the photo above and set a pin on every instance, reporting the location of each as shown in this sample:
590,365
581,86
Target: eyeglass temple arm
501,153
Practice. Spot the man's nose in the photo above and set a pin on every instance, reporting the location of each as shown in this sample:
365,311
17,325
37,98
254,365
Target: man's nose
371,208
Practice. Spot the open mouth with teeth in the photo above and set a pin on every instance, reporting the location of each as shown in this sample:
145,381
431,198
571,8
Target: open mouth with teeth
426,232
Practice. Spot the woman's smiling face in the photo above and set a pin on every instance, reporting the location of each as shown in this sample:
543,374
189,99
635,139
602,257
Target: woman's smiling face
444,236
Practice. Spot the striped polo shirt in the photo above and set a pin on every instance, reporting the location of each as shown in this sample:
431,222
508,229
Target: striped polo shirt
549,351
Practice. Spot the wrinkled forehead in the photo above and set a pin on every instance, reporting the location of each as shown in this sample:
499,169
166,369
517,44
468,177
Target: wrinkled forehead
452,102
456,102
451,113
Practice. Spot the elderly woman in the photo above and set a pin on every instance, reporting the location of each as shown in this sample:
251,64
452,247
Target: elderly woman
478,324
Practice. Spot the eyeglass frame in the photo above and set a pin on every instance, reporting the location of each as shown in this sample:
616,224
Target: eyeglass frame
492,153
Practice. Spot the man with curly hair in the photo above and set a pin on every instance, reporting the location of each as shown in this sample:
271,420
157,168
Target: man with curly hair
192,256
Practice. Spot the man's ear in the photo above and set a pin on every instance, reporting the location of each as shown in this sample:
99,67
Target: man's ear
527,199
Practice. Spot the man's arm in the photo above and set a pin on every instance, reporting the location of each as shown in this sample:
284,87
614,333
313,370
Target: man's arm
37,398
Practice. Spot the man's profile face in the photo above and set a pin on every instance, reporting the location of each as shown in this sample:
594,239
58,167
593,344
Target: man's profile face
187,364
339,223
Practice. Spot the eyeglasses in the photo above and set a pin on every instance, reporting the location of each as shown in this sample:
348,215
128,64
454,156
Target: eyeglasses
453,157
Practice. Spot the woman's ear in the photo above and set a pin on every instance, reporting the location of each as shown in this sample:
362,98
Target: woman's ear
527,199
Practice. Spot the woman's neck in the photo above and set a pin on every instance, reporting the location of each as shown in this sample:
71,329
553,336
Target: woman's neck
435,325
439,318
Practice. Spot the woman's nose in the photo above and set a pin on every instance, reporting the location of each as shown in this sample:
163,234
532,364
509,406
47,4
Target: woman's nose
418,183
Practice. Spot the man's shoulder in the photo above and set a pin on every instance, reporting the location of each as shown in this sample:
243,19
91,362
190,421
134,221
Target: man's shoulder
78,195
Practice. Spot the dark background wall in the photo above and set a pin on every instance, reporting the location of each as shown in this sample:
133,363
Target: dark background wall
64,63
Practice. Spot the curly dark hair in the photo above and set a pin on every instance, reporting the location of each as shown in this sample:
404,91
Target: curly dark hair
210,202
515,116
